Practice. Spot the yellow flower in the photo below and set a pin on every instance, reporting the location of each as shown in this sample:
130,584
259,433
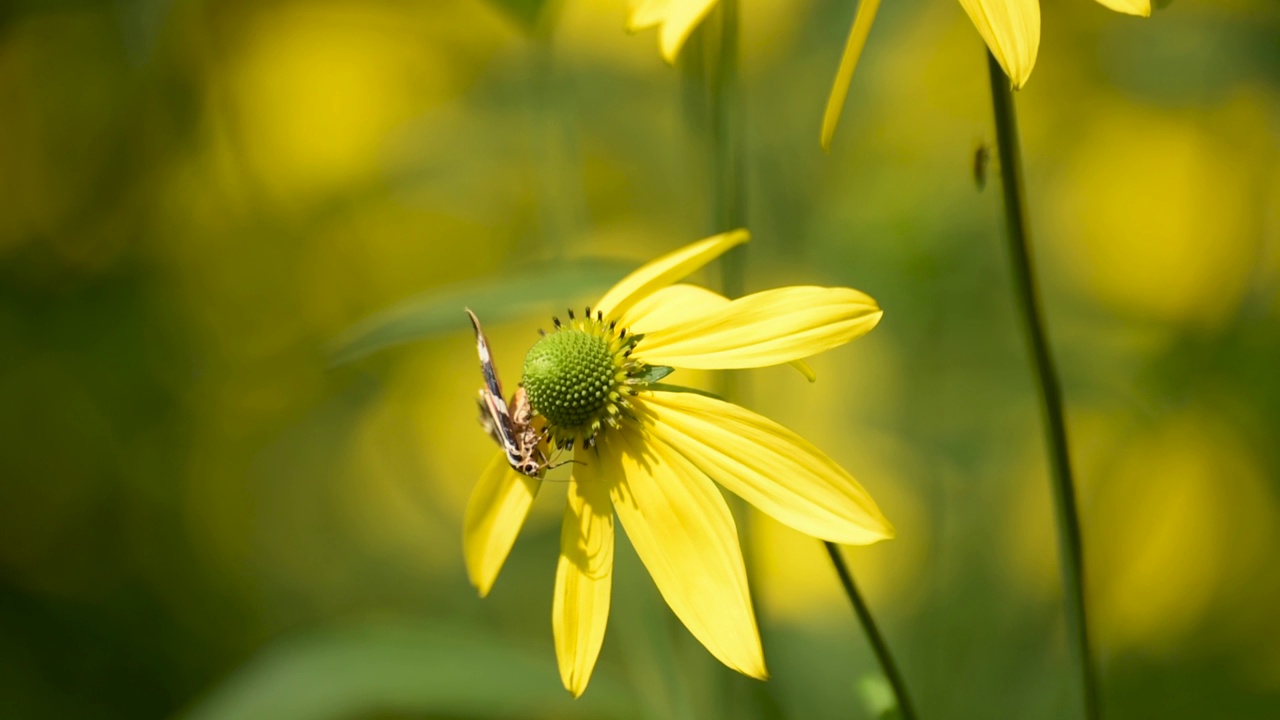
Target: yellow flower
676,20
649,452
1011,29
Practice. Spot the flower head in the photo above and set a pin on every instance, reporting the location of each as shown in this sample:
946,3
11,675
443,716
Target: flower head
1010,28
648,453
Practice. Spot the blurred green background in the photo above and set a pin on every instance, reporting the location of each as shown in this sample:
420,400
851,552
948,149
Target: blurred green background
199,518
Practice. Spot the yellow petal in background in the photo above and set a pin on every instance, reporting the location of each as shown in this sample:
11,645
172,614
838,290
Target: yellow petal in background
683,532
647,13
677,19
495,514
763,329
666,270
767,465
1011,29
584,577
848,62
1142,8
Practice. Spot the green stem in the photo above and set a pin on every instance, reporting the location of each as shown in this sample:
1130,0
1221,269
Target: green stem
905,709
550,156
728,200
1055,427
713,108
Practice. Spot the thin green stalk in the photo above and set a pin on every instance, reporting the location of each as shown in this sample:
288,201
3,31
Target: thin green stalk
550,146
724,104
726,119
713,54
726,116
905,708
1055,427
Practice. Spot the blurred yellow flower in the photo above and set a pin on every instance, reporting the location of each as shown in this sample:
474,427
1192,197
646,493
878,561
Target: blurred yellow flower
1011,29
675,19
648,452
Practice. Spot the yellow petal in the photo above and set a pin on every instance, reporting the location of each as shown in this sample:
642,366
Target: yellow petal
666,270
495,514
681,20
803,368
767,465
852,51
675,304
1141,8
647,13
1011,29
762,329
678,18
669,306
684,534
584,575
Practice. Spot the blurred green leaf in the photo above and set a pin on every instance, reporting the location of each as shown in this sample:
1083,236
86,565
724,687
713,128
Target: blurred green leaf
493,300
525,12
409,666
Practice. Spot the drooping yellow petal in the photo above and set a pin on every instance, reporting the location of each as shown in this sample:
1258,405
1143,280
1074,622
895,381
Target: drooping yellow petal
666,270
803,368
1141,8
680,23
762,329
767,465
677,18
848,62
1011,29
684,534
675,304
647,13
495,513
584,575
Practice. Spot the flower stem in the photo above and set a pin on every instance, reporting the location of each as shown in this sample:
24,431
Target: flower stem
721,126
716,46
1055,428
726,117
905,709
556,154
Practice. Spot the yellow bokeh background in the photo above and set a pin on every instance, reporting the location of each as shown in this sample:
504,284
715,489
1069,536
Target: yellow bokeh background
197,199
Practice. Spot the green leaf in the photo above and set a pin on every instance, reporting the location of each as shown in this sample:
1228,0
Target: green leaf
525,12
654,373
493,300
403,666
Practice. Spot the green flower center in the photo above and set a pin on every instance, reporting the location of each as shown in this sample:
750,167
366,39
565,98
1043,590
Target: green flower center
568,376
580,376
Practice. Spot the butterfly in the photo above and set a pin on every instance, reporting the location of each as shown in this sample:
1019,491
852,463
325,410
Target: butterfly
511,426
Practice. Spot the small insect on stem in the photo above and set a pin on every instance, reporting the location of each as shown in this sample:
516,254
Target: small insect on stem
981,160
